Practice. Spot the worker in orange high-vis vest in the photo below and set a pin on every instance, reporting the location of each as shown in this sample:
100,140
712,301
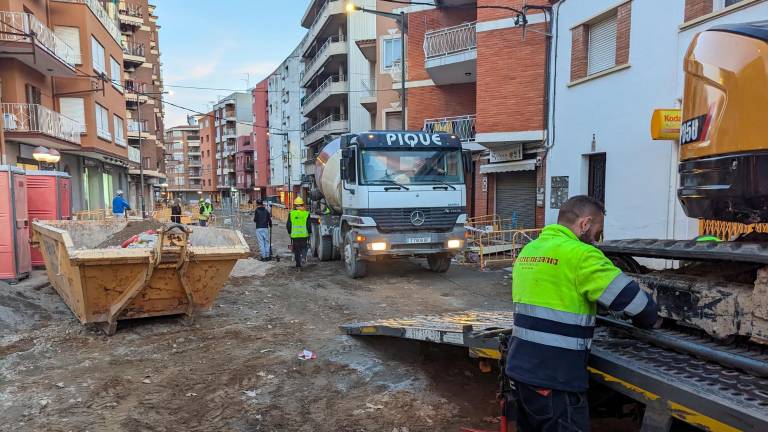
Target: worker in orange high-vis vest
299,229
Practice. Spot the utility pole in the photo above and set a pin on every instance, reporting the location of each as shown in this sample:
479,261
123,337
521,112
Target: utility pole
141,157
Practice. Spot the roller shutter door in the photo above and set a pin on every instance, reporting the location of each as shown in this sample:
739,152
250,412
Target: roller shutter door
516,198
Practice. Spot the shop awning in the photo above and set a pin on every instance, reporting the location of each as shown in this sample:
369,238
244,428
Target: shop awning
523,165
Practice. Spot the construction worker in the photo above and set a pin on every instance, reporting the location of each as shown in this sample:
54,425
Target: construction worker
263,221
205,211
557,281
119,205
299,229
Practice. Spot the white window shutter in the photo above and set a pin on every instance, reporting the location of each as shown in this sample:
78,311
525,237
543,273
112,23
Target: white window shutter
73,108
71,36
601,52
98,55
114,69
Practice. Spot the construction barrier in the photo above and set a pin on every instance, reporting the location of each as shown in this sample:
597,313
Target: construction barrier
279,212
729,230
502,247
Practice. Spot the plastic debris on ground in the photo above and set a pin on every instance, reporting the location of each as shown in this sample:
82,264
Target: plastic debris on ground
307,355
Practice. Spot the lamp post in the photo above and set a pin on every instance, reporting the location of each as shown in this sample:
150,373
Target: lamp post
288,161
403,24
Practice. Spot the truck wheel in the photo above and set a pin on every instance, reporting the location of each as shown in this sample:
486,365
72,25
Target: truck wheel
439,263
354,266
325,248
313,243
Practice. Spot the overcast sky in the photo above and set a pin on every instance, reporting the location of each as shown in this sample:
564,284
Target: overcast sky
217,43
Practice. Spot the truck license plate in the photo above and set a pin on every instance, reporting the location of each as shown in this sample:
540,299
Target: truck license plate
418,240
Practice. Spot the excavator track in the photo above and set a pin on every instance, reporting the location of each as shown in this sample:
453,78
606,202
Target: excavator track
671,384
756,253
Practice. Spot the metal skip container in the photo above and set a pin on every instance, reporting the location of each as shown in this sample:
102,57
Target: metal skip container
180,273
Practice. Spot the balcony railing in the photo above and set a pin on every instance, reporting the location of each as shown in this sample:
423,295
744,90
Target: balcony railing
135,86
320,11
338,38
461,126
450,40
14,26
133,48
134,154
323,123
368,87
34,118
103,16
134,10
134,126
331,79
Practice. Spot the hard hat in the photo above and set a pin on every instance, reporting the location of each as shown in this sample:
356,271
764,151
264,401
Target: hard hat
298,201
207,200
119,192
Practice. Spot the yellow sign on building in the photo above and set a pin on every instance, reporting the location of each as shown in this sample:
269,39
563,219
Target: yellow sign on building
665,124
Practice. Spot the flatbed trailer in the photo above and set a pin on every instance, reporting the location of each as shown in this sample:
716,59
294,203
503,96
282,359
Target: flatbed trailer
670,384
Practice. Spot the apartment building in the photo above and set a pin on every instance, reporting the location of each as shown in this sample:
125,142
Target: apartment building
57,60
142,82
244,169
335,71
472,69
232,119
207,132
286,152
617,62
260,139
184,164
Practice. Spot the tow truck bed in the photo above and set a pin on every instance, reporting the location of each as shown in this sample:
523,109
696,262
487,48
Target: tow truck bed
670,384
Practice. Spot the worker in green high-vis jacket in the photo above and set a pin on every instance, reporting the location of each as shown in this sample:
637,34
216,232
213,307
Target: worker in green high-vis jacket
557,282
299,229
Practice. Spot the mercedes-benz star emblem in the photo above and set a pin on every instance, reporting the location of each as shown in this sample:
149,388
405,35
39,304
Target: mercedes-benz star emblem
418,218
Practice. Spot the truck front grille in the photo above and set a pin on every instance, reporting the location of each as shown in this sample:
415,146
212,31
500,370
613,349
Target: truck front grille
434,218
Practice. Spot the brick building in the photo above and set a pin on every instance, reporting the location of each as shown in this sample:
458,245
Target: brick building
260,139
207,133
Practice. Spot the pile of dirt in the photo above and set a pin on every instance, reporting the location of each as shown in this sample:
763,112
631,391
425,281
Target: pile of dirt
133,228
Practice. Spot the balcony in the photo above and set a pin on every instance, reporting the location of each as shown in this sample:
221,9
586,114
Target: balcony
450,54
194,162
101,14
37,125
133,53
330,92
137,129
333,124
334,46
368,94
230,115
330,10
134,155
131,15
18,31
134,92
461,126
248,167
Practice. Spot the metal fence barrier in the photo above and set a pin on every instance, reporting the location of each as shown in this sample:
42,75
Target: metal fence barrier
729,230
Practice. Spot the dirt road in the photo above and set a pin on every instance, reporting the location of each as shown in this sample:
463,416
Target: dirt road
235,367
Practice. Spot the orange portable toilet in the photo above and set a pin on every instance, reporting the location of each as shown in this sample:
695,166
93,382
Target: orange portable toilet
49,197
15,263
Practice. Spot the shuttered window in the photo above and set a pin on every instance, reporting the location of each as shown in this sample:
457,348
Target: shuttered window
114,69
102,123
71,36
99,60
119,133
601,51
73,108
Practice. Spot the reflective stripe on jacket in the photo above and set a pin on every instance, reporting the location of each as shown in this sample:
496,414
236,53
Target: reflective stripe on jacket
299,220
557,281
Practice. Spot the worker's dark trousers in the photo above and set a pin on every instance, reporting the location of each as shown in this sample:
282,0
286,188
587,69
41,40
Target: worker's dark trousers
299,248
545,410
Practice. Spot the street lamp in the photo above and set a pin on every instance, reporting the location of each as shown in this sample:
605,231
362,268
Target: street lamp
403,24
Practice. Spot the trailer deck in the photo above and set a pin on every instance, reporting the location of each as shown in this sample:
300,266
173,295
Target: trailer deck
671,385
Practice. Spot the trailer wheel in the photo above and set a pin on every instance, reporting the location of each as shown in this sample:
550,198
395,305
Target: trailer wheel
439,263
324,248
355,267
314,243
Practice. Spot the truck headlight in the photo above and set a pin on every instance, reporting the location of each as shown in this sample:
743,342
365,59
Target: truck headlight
377,246
454,244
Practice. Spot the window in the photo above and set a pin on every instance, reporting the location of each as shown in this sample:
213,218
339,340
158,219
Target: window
601,51
596,186
97,51
391,52
393,120
73,108
70,36
114,69
722,4
177,134
119,134
102,123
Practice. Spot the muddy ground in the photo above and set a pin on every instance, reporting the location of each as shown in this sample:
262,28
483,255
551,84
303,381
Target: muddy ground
235,367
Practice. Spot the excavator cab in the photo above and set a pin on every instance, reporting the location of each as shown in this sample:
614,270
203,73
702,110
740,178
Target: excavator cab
724,134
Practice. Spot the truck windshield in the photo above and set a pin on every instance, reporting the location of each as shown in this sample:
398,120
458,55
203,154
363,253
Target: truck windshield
411,166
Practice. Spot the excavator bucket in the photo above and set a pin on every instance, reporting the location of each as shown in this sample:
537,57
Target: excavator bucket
180,272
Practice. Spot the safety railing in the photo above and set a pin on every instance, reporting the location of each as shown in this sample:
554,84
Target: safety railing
135,126
34,118
101,14
279,212
502,247
369,87
320,51
729,230
450,40
461,126
133,48
22,27
323,123
133,10
322,87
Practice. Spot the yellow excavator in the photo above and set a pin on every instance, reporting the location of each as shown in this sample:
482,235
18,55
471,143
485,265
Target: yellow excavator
720,287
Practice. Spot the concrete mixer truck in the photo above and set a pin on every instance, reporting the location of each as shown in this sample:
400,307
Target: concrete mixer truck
384,194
